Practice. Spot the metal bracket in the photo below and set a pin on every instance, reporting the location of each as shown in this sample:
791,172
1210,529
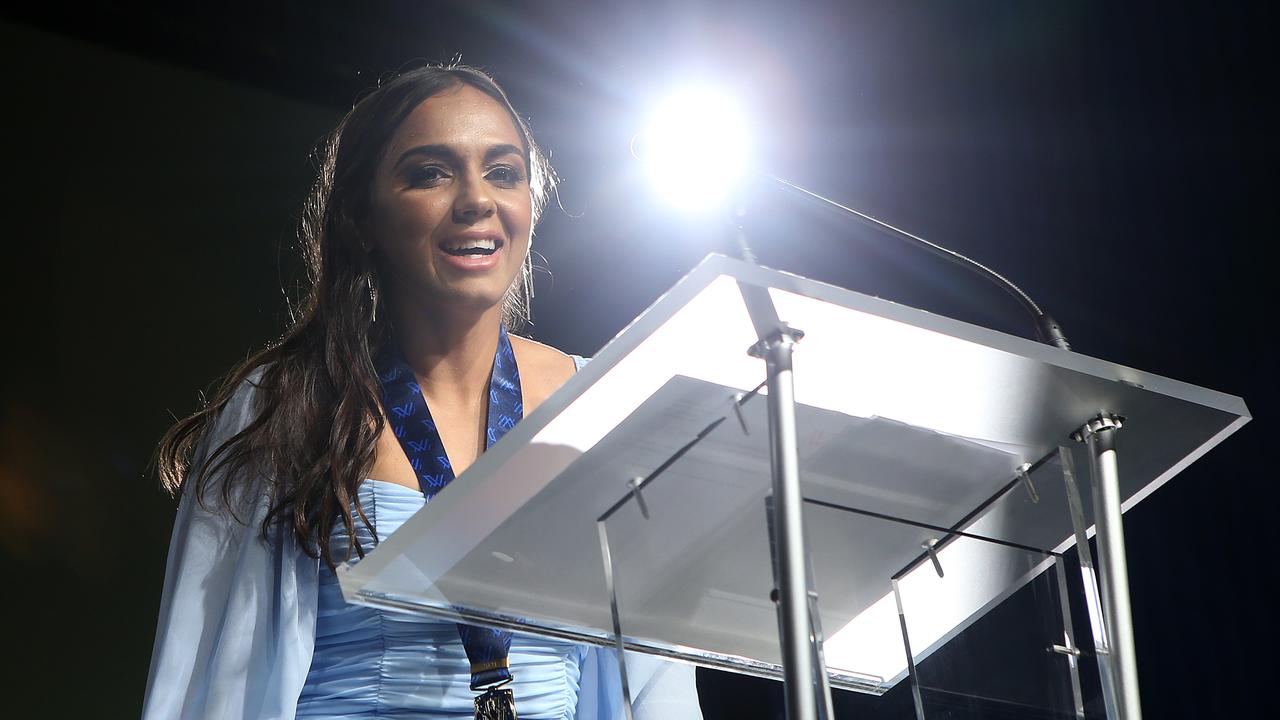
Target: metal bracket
634,484
784,330
736,402
1104,421
928,546
1024,472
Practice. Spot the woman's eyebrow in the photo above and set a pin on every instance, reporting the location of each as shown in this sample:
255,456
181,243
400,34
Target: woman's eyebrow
498,151
444,152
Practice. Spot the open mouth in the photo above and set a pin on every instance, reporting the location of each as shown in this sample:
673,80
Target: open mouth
472,248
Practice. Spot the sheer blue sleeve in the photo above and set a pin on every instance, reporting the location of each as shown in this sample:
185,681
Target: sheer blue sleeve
237,615
660,689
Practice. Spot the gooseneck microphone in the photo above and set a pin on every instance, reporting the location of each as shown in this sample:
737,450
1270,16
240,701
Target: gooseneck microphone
1047,329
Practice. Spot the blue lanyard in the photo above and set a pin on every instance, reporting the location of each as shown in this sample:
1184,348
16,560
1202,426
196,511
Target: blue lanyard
487,648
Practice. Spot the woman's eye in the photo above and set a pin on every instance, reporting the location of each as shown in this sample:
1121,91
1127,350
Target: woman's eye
505,175
426,175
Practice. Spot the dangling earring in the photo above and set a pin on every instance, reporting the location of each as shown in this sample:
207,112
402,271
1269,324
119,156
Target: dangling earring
373,298
527,272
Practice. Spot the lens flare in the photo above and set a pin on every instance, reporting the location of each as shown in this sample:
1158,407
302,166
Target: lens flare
696,147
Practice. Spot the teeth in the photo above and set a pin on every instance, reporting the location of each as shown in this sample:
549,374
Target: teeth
486,244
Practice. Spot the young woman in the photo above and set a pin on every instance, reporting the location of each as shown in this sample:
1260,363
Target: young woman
416,237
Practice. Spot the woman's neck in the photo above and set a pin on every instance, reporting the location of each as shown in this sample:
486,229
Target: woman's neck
450,352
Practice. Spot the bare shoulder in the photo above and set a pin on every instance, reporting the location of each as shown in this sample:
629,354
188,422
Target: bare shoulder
543,369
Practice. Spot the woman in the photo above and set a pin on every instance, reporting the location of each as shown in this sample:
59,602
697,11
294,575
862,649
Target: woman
416,237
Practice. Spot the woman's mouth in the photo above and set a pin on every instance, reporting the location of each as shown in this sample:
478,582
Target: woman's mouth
471,247
472,254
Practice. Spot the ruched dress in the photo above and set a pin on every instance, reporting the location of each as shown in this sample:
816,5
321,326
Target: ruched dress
371,663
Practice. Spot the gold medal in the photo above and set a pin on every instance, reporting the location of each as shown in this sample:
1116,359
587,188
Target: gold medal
497,703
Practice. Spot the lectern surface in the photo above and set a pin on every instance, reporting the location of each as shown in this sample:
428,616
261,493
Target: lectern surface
913,419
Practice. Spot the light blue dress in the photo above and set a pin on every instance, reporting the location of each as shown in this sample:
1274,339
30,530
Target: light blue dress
256,629
368,662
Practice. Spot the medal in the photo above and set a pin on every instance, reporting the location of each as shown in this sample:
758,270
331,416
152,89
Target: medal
497,703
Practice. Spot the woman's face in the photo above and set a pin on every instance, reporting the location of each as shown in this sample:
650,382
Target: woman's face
452,214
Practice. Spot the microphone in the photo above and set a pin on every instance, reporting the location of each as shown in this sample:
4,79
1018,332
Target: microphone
1047,329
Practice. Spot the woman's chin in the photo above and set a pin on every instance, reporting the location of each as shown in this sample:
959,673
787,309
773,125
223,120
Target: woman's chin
470,298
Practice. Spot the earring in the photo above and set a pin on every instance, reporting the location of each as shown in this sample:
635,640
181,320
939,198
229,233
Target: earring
373,298
527,271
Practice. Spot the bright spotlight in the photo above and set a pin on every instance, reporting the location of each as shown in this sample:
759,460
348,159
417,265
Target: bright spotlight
695,147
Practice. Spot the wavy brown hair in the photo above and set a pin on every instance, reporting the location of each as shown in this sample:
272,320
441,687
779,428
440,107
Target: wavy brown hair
317,413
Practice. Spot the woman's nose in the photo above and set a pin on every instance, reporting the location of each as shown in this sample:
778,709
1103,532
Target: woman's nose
474,201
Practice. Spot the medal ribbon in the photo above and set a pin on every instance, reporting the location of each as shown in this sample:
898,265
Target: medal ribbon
487,648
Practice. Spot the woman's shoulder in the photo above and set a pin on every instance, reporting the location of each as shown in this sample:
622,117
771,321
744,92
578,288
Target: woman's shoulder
244,403
543,369
540,358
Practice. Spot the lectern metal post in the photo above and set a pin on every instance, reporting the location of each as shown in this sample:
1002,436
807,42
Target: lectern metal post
801,665
1099,434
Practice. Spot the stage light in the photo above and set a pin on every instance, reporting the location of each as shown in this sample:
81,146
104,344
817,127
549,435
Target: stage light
696,148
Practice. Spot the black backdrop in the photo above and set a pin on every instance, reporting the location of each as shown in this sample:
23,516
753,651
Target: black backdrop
1115,161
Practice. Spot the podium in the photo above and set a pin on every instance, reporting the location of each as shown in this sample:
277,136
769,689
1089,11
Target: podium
945,471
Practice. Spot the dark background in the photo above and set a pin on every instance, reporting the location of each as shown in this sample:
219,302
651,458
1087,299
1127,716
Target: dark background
1116,161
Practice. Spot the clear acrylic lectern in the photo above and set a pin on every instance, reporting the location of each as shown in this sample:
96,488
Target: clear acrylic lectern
940,478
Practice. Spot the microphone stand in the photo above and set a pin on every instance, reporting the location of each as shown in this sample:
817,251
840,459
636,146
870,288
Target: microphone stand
1047,329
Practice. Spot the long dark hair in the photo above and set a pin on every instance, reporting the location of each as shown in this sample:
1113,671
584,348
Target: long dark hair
317,415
